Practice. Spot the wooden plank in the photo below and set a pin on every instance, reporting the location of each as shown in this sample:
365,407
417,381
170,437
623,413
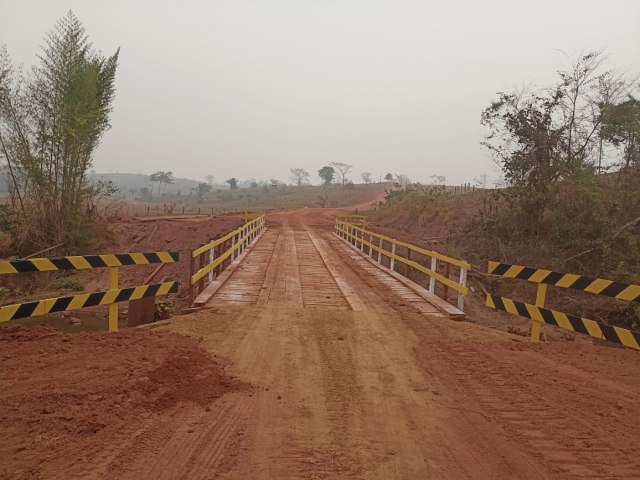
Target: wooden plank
354,300
221,279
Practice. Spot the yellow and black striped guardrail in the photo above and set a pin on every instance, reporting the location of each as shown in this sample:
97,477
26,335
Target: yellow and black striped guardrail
110,297
614,334
598,286
84,300
81,262
539,314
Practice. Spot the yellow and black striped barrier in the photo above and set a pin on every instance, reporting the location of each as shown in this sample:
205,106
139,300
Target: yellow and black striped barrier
84,300
598,286
82,262
539,314
614,334
111,297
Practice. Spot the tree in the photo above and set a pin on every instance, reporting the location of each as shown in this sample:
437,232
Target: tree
167,179
343,170
481,181
326,173
209,179
389,177
156,178
50,126
439,179
403,179
366,177
200,191
233,183
545,137
145,193
621,127
299,176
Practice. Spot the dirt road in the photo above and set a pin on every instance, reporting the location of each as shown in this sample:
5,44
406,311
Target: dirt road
354,377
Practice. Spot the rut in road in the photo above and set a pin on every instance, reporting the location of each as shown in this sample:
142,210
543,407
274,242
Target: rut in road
354,376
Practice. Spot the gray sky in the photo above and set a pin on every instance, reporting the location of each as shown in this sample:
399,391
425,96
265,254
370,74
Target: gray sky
253,88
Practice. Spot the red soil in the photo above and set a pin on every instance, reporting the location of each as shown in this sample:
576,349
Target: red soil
59,392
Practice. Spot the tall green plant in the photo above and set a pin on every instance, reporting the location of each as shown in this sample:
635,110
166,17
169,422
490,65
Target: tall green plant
51,123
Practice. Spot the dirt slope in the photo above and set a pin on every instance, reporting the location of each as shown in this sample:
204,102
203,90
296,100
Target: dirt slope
72,403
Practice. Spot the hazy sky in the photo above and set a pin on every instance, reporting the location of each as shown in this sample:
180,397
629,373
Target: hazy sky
253,88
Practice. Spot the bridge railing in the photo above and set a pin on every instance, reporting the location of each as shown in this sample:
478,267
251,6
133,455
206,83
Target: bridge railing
441,267
110,297
539,314
210,259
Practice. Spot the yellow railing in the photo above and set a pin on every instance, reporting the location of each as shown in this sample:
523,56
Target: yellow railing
360,237
251,214
209,260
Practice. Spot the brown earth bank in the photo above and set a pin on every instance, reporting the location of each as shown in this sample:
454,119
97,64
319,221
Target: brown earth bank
65,398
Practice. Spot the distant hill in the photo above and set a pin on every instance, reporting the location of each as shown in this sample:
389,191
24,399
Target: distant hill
129,184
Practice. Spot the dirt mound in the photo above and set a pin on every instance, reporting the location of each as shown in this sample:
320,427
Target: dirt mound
58,389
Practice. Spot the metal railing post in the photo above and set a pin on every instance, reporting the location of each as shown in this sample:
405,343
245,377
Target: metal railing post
113,308
393,252
234,254
192,271
432,280
380,251
212,257
370,246
463,282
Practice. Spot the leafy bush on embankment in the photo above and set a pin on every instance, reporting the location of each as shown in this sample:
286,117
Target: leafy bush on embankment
591,226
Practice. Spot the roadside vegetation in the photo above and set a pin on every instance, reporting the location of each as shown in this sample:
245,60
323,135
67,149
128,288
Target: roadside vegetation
569,155
51,121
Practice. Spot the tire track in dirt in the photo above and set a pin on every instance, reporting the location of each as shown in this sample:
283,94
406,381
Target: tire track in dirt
381,392
558,431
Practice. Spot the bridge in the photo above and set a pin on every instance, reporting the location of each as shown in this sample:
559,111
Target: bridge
325,362
356,375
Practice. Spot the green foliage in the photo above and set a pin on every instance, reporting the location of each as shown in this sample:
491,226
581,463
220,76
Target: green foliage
327,173
621,127
414,205
161,178
144,194
50,125
201,190
8,219
233,183
389,177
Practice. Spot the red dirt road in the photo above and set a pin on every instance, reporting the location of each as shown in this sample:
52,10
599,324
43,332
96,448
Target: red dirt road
352,377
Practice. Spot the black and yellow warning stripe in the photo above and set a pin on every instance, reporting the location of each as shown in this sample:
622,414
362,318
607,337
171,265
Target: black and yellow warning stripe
598,286
592,328
75,302
81,262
